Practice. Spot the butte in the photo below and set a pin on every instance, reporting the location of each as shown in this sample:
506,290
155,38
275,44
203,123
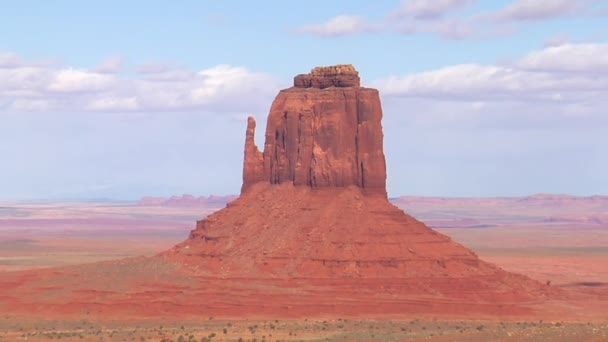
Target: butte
313,213
311,234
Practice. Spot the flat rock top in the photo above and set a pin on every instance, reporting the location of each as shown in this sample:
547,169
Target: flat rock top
333,70
340,75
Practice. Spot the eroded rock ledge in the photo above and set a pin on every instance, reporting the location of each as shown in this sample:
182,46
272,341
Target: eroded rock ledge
341,75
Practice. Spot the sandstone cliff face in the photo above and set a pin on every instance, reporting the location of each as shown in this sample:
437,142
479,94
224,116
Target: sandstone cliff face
324,132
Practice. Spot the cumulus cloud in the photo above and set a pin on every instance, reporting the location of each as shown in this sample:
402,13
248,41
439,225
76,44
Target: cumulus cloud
343,25
110,65
9,60
338,26
153,68
478,120
587,58
557,40
222,88
424,9
520,10
439,17
451,29
74,80
568,74
412,17
110,103
467,82
430,16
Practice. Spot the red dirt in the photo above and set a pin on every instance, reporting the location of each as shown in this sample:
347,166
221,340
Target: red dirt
341,234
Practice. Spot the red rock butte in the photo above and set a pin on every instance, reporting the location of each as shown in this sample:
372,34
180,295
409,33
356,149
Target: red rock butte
312,234
325,132
313,206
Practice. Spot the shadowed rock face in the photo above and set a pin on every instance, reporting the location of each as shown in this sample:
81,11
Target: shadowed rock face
326,133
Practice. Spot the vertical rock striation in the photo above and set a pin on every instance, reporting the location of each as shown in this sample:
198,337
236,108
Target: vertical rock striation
324,132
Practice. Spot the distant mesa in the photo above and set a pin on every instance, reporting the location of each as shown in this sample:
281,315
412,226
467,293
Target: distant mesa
560,199
599,219
186,201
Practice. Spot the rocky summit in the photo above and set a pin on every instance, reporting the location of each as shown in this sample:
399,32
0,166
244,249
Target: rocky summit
343,75
324,132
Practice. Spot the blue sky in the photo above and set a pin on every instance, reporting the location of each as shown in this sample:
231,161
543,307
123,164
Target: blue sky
126,99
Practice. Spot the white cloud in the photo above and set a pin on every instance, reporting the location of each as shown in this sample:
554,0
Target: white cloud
438,17
535,9
9,60
108,103
478,105
75,80
153,68
338,26
451,29
466,81
222,88
349,25
588,57
538,76
30,105
557,40
425,9
110,65
23,79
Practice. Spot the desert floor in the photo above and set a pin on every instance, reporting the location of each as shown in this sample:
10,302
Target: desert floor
567,254
210,329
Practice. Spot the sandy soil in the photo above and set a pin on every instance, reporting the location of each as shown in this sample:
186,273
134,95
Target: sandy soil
336,329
